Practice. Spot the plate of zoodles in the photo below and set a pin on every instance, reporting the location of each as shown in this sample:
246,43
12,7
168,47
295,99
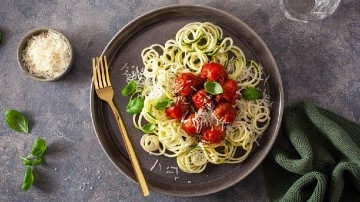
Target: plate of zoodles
200,95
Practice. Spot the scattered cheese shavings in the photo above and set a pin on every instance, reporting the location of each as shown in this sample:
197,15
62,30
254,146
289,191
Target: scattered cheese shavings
176,169
152,168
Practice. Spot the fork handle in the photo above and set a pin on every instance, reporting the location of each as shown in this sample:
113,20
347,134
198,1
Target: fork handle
134,161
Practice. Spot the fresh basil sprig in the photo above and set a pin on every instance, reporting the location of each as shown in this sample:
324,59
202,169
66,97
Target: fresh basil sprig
135,106
251,93
34,159
214,88
17,121
129,89
163,104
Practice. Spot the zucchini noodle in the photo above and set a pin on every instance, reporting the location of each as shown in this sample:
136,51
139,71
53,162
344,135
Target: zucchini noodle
195,45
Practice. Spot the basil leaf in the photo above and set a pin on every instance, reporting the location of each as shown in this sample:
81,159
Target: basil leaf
28,179
38,161
135,106
26,161
163,103
39,147
251,93
148,128
33,161
213,88
17,121
129,89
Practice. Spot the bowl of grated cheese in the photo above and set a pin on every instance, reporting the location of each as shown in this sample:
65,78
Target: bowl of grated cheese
45,54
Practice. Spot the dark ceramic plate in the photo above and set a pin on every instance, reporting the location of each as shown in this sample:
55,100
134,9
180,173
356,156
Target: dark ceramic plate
124,51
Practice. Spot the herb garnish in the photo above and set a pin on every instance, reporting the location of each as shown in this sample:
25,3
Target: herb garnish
34,159
163,103
39,147
28,179
251,93
17,121
213,88
148,128
129,89
135,106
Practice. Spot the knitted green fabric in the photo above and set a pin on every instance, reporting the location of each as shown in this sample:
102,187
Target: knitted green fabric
315,158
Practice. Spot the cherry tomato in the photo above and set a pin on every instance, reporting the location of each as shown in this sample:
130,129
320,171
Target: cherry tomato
213,134
178,109
187,83
230,89
213,72
225,112
189,125
202,99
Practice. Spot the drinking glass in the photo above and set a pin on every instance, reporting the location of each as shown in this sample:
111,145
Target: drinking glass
308,10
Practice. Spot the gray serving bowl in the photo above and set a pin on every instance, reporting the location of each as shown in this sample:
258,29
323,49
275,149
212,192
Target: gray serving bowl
124,50
23,44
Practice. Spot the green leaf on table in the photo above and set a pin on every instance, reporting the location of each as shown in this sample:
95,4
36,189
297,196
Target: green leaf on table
39,147
251,93
28,179
26,161
129,89
214,88
148,128
135,106
163,103
38,160
32,160
17,121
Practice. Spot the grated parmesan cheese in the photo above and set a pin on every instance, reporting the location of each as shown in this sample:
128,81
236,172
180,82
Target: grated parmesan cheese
46,55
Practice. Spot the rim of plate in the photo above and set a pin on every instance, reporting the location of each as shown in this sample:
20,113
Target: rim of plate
108,50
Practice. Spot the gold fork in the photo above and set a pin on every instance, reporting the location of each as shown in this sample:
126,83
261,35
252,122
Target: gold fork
105,92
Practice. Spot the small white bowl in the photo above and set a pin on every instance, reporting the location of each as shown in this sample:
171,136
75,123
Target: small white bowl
23,44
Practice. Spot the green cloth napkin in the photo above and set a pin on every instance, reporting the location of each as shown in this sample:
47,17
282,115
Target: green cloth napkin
315,158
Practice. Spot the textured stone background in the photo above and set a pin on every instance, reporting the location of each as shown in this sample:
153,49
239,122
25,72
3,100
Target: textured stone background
318,61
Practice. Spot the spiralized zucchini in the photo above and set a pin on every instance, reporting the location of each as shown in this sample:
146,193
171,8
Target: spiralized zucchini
194,45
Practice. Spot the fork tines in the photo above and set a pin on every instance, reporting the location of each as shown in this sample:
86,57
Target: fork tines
100,72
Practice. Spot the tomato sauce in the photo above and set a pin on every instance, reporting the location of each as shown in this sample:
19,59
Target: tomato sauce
195,107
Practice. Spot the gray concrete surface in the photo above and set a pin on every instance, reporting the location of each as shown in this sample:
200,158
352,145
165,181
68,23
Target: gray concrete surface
318,61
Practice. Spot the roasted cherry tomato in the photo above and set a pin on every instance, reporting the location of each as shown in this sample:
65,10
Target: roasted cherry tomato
213,134
225,112
187,83
178,109
230,89
213,72
189,125
202,99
